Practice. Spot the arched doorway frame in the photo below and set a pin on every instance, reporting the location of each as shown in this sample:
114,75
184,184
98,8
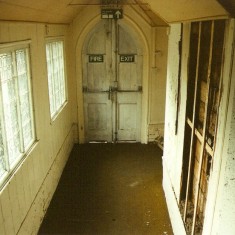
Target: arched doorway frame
127,22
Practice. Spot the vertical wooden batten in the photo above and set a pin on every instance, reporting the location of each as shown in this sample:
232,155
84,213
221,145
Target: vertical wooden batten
193,129
204,133
205,68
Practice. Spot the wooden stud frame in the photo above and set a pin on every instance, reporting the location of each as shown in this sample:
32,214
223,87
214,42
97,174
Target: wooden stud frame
204,133
193,130
207,70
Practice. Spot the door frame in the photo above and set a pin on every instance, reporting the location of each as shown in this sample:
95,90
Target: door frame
135,32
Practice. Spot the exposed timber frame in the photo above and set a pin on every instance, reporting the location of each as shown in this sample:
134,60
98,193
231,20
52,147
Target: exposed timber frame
205,79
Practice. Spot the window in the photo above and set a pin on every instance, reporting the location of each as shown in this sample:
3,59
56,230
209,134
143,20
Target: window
56,76
16,115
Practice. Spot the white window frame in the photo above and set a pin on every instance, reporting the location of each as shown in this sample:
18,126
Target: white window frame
58,110
11,48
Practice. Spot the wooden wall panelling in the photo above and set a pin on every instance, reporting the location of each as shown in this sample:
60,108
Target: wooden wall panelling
15,206
2,227
7,212
21,194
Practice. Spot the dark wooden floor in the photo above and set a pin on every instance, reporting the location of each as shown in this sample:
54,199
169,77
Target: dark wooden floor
110,189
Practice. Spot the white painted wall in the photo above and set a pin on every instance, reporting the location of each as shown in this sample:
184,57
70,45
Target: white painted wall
24,199
224,217
173,142
215,189
157,85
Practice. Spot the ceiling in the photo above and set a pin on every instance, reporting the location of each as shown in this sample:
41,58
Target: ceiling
187,10
229,5
159,12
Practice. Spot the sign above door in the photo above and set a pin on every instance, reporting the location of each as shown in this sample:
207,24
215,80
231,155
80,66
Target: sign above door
111,14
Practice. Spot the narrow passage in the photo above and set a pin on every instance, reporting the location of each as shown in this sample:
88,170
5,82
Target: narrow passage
110,189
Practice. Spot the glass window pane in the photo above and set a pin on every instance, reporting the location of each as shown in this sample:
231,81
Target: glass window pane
16,126
2,157
24,97
3,70
56,79
10,109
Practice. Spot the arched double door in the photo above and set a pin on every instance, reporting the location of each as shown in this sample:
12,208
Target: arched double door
112,83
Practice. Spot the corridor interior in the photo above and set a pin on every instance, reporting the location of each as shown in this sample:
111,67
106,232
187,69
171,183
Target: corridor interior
138,74
110,189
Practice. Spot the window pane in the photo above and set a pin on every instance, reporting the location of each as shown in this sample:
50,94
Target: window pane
3,70
50,76
56,79
10,108
2,161
24,97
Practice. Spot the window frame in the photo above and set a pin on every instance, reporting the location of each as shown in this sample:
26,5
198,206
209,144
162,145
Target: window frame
24,149
49,40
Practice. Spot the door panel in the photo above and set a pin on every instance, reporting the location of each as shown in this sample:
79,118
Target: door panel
129,88
128,115
97,42
128,78
126,44
96,82
96,77
98,121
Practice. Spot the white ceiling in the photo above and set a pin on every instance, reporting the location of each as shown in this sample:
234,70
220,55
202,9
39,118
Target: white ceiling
63,11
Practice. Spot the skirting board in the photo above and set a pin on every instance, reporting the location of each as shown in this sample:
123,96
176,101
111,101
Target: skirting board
173,209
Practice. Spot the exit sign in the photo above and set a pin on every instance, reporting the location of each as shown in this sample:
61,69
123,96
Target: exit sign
111,14
127,58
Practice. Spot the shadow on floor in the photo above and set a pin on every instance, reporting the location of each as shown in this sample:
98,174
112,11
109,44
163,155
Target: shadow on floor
110,189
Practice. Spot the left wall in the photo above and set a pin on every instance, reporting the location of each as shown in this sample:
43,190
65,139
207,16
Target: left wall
26,196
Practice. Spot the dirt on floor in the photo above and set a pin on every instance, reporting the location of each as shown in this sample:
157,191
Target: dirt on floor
109,189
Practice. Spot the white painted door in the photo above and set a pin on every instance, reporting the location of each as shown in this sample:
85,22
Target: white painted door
112,85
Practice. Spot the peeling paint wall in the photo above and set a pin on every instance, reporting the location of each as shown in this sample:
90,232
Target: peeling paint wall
220,209
170,137
173,138
26,196
224,217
